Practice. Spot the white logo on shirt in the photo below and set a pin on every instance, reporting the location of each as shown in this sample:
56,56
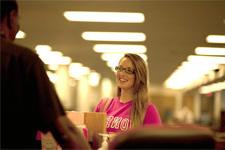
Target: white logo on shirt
118,123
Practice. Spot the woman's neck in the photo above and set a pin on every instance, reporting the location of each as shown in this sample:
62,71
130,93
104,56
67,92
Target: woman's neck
126,96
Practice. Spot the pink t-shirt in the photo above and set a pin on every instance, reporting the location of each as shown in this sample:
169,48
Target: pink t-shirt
118,115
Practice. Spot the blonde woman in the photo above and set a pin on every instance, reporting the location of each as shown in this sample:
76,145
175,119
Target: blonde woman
131,107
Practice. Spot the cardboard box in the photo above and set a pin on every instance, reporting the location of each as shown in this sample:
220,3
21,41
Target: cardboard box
95,122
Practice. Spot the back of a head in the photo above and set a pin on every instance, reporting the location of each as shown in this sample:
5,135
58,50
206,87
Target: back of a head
6,7
165,137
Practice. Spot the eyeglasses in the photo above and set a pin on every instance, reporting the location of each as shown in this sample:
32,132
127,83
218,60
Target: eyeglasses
126,70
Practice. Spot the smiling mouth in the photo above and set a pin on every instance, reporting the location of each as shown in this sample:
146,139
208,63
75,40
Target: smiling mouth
123,80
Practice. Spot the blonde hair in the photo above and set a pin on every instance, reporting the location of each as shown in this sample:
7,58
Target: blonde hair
140,89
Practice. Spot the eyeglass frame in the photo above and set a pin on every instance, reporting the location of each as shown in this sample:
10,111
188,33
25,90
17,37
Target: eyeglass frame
126,70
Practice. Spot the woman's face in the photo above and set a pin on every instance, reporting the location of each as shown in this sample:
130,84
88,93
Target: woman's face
125,76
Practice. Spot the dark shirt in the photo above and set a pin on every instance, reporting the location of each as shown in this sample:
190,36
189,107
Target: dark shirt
28,100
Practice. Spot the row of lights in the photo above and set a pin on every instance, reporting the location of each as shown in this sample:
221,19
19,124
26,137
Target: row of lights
112,53
197,69
55,58
75,70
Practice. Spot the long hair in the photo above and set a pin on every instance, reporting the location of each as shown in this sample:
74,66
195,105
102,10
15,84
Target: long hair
140,89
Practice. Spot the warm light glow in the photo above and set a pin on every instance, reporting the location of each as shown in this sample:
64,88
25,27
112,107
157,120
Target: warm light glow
64,60
43,49
112,59
108,56
76,70
52,76
112,63
114,36
53,67
94,79
215,38
119,48
189,75
212,87
117,56
20,35
118,17
52,57
107,88
210,51
208,59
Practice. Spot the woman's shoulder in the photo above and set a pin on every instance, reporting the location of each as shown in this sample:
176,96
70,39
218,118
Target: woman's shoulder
105,102
152,115
107,99
151,106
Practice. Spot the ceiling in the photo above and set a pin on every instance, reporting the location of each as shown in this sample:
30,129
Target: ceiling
173,29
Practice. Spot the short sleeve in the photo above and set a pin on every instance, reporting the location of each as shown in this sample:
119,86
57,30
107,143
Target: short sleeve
152,115
99,106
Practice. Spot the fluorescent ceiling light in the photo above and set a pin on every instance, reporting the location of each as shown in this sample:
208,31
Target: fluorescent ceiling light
113,63
114,36
108,56
20,35
43,50
207,59
188,75
43,47
118,56
119,48
53,67
52,76
94,79
210,51
118,17
77,70
64,60
215,38
191,73
212,87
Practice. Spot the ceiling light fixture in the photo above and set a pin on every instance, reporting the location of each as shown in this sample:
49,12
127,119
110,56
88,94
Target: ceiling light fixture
43,49
114,36
210,51
215,39
212,87
91,16
206,59
118,56
20,35
190,74
119,48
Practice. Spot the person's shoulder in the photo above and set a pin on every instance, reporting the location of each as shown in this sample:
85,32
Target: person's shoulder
151,105
107,99
17,50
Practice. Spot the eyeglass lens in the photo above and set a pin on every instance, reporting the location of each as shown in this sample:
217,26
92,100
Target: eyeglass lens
127,70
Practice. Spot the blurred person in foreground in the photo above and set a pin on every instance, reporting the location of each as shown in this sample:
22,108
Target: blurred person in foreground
131,108
29,102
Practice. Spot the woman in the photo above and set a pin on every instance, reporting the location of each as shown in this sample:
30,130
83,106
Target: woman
131,107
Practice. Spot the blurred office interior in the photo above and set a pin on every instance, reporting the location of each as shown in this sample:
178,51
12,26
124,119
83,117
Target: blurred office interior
173,35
